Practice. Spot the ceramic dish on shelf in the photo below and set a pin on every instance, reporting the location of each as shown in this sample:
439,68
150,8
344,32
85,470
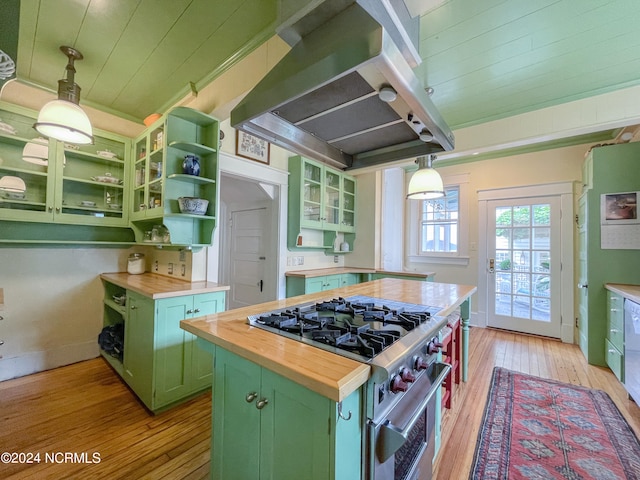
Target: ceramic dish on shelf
13,195
106,154
87,203
106,178
114,206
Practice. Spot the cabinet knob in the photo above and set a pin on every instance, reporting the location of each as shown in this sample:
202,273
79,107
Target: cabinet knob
614,330
189,311
133,307
260,404
583,285
1,342
50,209
197,310
251,396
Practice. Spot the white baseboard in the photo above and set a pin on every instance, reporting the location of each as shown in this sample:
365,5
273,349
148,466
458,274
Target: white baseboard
32,362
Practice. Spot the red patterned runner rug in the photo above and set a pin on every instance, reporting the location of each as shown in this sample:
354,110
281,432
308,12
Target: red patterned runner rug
534,428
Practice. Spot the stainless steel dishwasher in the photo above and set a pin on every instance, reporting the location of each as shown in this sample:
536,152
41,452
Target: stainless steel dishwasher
632,349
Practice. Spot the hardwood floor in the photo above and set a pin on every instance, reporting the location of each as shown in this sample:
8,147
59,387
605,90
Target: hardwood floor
85,409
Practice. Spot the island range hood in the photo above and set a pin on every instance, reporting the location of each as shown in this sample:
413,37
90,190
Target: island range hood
346,94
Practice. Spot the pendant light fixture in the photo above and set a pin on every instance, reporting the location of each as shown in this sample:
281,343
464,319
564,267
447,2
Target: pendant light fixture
426,183
63,119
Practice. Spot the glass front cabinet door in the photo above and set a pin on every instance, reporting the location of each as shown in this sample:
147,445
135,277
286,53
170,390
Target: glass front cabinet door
48,181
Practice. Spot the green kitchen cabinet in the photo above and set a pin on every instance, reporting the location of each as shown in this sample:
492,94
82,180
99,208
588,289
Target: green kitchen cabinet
302,285
268,427
613,169
65,184
614,343
159,179
320,198
161,362
379,275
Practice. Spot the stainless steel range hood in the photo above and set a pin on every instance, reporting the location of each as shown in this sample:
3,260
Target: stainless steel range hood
322,99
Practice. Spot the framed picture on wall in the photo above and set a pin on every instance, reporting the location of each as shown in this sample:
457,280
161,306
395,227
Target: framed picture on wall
619,208
251,147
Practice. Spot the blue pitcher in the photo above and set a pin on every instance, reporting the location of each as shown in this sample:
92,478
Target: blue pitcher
191,165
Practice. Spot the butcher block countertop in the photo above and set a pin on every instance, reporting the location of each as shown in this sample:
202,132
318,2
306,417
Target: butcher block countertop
326,373
159,286
632,292
319,272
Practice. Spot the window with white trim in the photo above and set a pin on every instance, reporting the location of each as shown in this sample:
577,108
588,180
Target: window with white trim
438,230
439,223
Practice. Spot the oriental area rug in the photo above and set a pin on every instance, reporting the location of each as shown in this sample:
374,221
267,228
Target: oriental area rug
535,428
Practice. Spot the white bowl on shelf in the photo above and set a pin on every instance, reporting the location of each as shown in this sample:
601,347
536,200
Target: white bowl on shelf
193,205
12,184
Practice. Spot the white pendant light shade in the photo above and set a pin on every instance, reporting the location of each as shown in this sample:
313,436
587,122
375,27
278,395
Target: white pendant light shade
426,183
64,121
12,184
36,151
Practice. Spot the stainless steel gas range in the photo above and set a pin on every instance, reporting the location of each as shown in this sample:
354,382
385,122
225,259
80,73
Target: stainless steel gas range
400,343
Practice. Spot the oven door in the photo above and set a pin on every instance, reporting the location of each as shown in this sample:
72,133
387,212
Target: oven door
402,445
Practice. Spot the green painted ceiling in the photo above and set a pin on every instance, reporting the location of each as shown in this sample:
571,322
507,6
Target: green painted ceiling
486,59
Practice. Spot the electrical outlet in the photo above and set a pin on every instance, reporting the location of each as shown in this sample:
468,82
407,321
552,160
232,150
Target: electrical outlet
288,261
183,256
170,269
155,266
335,259
301,260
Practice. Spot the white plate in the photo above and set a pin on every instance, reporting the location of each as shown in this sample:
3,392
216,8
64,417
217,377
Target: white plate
106,179
107,154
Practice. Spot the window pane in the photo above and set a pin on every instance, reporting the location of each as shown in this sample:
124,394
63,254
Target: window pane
439,223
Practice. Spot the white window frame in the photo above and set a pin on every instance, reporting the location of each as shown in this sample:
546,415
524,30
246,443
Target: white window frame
414,223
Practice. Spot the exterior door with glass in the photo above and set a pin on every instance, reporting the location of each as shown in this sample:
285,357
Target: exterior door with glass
524,265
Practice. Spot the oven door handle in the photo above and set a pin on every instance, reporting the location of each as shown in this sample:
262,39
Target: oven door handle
391,438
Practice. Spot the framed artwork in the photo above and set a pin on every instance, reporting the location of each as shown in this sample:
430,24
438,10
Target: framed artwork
619,208
251,147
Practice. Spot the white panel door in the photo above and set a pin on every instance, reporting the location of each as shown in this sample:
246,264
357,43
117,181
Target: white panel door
247,257
523,241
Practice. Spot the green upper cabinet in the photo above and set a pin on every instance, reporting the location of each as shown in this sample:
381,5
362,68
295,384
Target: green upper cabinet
77,185
320,198
159,180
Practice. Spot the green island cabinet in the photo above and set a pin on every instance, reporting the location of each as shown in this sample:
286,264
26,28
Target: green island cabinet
268,427
321,199
607,170
70,190
159,180
614,343
161,362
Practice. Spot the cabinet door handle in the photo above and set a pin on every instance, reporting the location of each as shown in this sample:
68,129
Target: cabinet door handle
583,285
196,310
50,209
260,404
189,311
1,342
612,351
133,307
613,309
614,330
251,396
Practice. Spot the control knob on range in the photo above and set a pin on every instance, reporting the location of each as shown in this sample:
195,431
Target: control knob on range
407,375
398,385
420,363
434,346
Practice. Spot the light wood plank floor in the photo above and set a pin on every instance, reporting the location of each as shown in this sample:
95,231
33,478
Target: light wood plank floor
86,409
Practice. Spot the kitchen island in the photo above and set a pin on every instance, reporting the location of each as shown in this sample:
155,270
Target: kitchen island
302,409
